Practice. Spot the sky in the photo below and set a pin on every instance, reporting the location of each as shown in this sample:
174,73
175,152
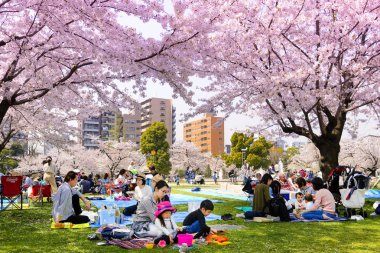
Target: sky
234,122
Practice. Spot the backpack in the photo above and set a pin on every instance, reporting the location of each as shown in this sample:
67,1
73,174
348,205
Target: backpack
278,208
377,210
227,216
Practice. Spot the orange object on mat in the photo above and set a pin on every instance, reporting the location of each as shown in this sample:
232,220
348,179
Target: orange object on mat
217,239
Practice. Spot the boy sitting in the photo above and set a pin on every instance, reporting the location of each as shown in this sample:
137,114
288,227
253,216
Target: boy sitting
195,222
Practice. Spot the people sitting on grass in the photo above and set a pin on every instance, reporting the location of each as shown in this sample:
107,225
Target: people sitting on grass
85,185
195,222
66,207
141,191
304,188
309,203
261,198
166,224
300,202
286,184
143,223
324,204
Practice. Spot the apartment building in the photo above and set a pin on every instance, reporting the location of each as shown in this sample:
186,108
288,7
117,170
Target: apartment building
206,133
98,127
134,123
159,110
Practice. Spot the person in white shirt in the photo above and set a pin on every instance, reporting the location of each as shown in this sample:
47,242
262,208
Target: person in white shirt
49,174
166,224
308,202
141,191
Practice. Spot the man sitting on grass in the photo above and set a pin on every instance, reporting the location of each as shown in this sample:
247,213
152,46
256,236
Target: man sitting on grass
66,207
195,222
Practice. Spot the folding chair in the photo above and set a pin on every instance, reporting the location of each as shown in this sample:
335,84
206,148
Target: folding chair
38,193
12,190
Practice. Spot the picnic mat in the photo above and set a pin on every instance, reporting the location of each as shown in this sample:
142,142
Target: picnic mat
219,193
177,216
69,225
175,199
111,202
244,208
129,244
372,194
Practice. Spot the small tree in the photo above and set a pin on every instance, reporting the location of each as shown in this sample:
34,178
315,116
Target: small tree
156,148
275,154
256,154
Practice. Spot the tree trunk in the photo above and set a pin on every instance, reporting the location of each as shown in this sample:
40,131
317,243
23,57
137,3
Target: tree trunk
329,150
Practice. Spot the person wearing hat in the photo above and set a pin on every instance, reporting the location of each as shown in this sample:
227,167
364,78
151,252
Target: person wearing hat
166,224
143,222
141,191
324,200
49,174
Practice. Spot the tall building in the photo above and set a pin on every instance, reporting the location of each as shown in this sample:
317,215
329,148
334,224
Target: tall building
159,110
206,133
134,123
100,127
132,127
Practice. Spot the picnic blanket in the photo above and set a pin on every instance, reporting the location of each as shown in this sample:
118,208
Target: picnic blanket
129,244
372,194
218,193
111,202
69,225
244,208
175,199
177,216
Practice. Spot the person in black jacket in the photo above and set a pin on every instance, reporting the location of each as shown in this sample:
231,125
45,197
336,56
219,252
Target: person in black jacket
195,222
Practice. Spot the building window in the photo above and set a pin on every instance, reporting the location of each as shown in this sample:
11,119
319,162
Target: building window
220,139
162,114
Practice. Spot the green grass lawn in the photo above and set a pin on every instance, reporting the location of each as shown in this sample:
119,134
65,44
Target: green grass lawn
29,231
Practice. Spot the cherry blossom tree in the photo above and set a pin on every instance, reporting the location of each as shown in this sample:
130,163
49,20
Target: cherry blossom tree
63,60
118,155
186,154
309,67
363,153
306,157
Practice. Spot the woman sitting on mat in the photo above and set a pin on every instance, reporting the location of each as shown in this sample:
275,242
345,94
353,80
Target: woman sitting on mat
323,199
141,191
261,198
66,206
143,223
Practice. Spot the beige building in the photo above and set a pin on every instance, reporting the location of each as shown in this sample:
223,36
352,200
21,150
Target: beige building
159,110
206,133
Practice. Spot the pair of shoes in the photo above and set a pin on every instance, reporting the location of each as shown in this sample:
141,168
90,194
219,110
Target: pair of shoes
273,218
93,237
240,215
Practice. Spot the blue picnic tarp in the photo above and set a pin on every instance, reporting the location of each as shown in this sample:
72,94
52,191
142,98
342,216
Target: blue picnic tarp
218,193
175,199
178,217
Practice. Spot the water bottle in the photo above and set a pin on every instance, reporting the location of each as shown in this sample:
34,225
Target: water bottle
117,214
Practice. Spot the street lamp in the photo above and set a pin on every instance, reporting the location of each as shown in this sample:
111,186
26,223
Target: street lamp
243,150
